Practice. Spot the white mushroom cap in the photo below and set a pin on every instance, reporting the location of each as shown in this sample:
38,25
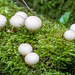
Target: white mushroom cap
17,21
72,27
23,14
25,48
69,35
32,58
33,23
3,20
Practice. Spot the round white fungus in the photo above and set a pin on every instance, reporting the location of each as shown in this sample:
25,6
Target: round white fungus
3,21
69,35
32,58
25,48
72,27
23,14
17,21
33,23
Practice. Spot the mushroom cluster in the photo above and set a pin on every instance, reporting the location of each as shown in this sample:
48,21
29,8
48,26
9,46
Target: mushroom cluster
32,23
31,58
70,34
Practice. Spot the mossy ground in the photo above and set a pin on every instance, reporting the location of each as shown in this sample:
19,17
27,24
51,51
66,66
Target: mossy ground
56,54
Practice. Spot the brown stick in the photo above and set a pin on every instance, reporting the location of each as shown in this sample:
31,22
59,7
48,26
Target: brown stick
20,3
26,6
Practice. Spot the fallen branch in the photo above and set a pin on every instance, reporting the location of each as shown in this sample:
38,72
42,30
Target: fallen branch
26,6
20,3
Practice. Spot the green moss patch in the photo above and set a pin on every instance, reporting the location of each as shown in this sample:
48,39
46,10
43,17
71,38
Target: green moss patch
56,54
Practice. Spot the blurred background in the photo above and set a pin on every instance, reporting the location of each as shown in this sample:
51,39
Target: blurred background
54,9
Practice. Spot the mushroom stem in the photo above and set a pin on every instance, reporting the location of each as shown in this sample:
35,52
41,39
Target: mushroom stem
14,29
5,28
31,32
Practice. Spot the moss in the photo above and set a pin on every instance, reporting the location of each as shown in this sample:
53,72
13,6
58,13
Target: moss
48,42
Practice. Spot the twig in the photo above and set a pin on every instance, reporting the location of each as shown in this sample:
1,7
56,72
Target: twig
27,6
20,3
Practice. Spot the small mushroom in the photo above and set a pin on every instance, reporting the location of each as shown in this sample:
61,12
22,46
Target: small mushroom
25,49
3,21
33,23
69,35
17,21
72,27
21,13
32,58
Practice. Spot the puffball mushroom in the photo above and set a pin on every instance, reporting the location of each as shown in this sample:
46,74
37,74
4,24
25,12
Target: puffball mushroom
17,21
72,27
23,14
69,35
32,58
3,21
33,23
25,48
